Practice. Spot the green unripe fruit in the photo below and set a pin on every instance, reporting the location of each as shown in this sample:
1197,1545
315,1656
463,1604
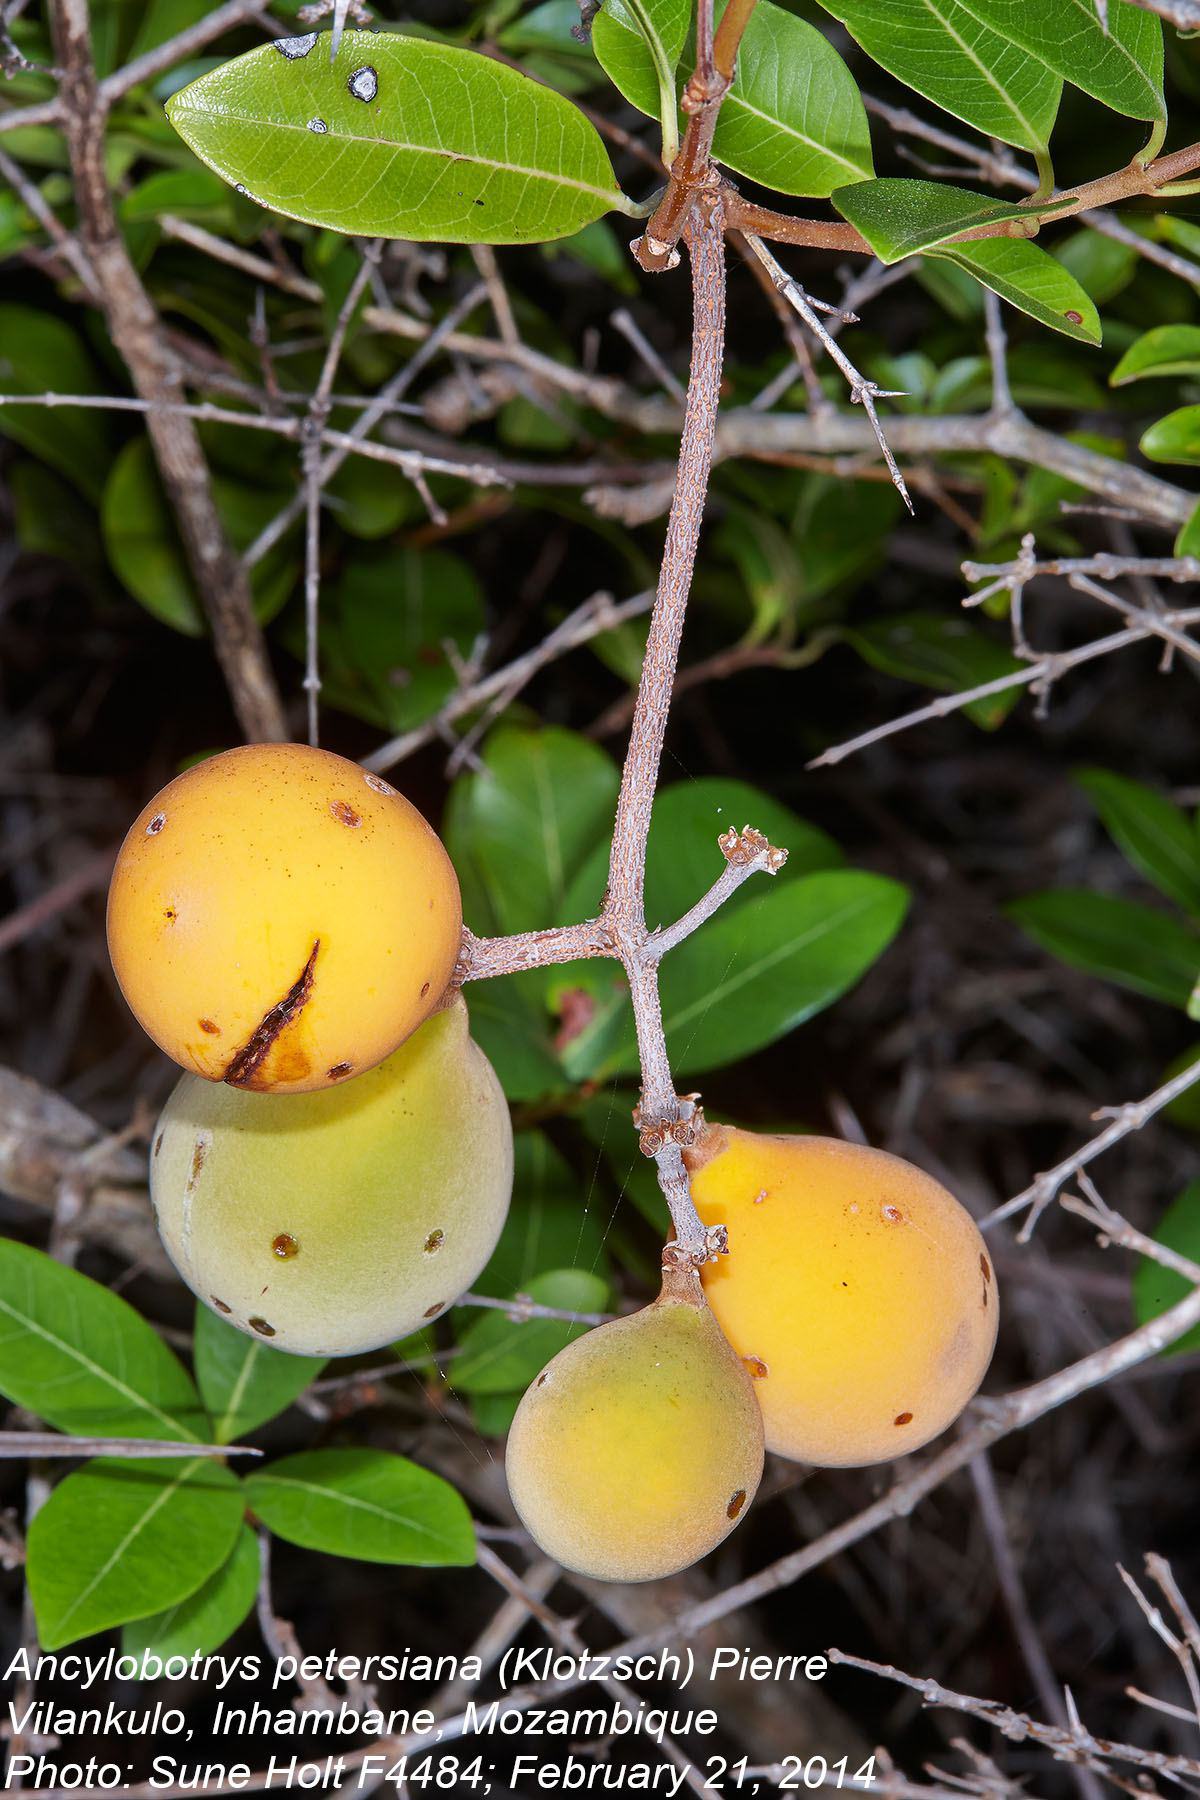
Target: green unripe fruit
641,1445
335,1222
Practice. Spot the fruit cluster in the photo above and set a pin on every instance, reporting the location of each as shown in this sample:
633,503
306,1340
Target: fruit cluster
335,1168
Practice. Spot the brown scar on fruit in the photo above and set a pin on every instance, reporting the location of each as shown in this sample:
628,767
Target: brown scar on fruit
434,1241
220,1304
261,1326
902,1419
338,1070
156,824
284,1246
199,1152
431,1312
207,1025
344,813
985,1266
892,1214
736,1504
756,1366
158,1143
245,1066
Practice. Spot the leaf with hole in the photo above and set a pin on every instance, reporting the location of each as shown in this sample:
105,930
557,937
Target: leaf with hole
83,1360
365,1504
1030,279
119,1540
399,137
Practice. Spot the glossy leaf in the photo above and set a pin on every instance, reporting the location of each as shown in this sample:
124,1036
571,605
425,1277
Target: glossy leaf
1156,1289
201,1623
399,137
944,51
947,654
1117,939
1119,62
499,1355
793,119
119,1540
898,217
243,1381
638,44
83,1360
1175,439
1030,279
1164,351
1154,833
365,1504
41,354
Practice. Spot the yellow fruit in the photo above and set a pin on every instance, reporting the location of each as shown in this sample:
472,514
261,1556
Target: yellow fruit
280,919
640,1446
857,1290
332,1223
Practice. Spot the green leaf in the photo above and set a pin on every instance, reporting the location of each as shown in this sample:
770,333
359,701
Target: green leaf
243,1381
1154,833
364,1504
398,613
1155,1289
499,1356
1030,279
942,50
200,1624
1187,543
83,1360
400,138
520,827
550,1225
1116,939
1164,351
941,653
510,1024
1120,64
899,217
39,354
118,1540
638,44
793,119
1175,439
1103,267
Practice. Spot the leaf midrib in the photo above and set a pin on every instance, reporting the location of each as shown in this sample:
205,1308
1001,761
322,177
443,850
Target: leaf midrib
134,1532
337,135
353,1501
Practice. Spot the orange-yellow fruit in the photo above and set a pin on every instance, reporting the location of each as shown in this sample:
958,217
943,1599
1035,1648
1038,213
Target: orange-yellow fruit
858,1291
280,919
640,1446
333,1223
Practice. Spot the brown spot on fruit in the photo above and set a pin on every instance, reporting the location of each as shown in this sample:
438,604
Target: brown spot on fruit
434,1242
170,915
284,1246
736,1504
431,1312
891,1213
541,1380
756,1366
902,1419
244,1068
261,1326
158,1143
212,1030
339,1070
379,785
986,1266
220,1304
424,990
344,813
199,1152
156,824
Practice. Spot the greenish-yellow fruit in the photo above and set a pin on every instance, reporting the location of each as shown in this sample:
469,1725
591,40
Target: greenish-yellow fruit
640,1446
335,1222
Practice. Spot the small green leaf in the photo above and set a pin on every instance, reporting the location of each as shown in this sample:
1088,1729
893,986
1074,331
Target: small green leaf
200,1624
638,44
400,137
1154,833
945,52
899,217
793,119
40,354
398,612
1155,1289
941,653
364,1504
83,1359
1116,939
500,1355
119,1540
1119,62
1175,439
1166,350
243,1381
1030,279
